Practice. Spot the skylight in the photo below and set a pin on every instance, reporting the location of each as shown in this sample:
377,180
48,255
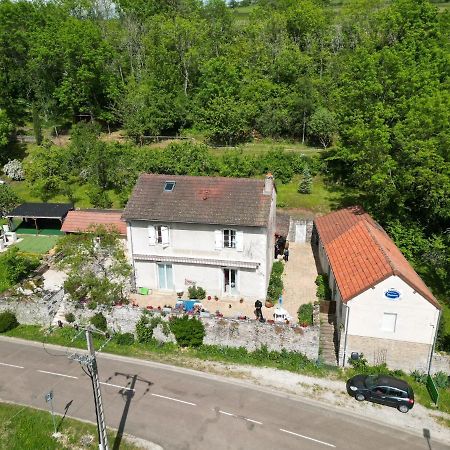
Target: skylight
168,186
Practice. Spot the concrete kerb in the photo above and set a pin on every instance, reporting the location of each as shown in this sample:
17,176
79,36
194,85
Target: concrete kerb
241,383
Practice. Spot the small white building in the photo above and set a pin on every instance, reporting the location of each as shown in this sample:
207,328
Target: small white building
214,232
383,308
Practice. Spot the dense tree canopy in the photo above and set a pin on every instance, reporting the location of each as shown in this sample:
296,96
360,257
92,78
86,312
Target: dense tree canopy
368,80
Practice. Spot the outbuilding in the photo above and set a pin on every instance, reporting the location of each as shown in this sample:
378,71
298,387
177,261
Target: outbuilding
39,218
383,308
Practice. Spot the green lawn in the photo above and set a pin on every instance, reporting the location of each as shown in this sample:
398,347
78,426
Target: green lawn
321,200
28,428
37,244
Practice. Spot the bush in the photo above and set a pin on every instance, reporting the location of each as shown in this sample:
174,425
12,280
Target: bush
146,325
275,288
305,314
359,364
99,321
197,293
8,321
14,170
323,289
420,377
92,305
188,332
305,184
125,338
441,380
70,317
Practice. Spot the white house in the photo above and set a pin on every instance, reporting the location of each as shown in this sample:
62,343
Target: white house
383,308
215,232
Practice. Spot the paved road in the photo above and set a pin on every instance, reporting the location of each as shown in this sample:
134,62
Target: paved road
182,409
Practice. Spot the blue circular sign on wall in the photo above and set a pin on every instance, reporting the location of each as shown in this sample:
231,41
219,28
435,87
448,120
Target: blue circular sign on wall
392,294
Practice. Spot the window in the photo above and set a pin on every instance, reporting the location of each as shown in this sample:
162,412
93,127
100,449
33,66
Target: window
169,186
389,322
229,238
230,281
158,234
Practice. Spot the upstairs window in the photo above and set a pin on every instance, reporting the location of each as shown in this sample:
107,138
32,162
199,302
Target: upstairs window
229,238
169,186
158,234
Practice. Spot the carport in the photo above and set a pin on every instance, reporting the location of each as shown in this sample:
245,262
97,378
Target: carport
39,218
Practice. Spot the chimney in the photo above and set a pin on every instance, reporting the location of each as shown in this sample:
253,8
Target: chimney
268,184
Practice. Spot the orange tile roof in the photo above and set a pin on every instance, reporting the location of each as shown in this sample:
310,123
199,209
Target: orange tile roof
361,254
82,220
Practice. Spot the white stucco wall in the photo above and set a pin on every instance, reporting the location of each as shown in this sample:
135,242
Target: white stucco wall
416,316
198,241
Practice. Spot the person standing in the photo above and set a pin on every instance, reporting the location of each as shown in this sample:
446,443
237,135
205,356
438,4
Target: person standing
286,255
258,310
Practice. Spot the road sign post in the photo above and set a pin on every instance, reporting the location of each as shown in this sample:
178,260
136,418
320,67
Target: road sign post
432,390
49,399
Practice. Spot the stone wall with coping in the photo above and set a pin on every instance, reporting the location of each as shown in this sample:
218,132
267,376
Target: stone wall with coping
222,331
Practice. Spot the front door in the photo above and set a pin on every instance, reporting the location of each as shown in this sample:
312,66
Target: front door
165,276
230,281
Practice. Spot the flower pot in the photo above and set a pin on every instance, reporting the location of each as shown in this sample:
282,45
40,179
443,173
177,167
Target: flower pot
268,304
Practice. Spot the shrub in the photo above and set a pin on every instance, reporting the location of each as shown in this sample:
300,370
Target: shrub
275,288
146,326
305,184
441,380
323,289
92,305
359,364
70,317
305,314
99,321
188,332
14,170
420,377
197,293
125,338
8,321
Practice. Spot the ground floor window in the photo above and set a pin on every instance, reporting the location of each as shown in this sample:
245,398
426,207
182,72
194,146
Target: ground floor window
230,281
165,276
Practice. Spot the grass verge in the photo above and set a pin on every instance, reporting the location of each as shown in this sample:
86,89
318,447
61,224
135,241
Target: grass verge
29,428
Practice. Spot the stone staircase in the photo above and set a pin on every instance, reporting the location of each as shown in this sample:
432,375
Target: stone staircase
328,338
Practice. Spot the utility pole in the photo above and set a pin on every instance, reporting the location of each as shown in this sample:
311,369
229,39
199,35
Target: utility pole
91,364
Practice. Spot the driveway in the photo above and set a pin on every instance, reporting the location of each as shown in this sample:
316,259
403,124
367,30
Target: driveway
299,277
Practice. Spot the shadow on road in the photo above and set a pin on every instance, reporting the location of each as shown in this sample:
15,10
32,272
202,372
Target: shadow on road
127,395
427,436
66,408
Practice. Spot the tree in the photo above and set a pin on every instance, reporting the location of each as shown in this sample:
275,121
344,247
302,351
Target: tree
8,199
96,265
322,126
6,129
305,184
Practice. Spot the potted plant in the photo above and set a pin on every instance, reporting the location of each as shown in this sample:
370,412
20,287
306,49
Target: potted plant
268,303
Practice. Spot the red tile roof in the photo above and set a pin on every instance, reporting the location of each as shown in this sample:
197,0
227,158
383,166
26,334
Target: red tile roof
84,219
207,200
361,254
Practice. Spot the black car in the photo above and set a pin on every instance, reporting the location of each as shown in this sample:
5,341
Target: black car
382,389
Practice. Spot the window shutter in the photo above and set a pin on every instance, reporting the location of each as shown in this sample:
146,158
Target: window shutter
165,236
218,239
239,241
151,235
